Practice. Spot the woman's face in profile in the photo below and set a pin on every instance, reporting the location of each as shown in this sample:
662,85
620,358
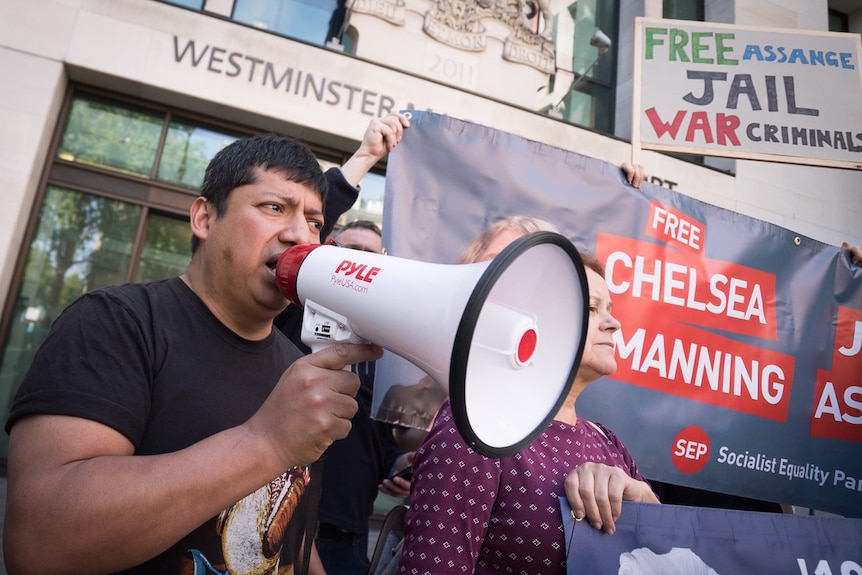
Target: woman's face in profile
598,358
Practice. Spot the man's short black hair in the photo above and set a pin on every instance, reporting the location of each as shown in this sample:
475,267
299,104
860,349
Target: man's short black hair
234,166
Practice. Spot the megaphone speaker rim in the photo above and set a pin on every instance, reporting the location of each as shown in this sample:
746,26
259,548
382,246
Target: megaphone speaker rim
467,328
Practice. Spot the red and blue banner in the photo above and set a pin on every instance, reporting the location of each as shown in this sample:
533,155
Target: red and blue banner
740,353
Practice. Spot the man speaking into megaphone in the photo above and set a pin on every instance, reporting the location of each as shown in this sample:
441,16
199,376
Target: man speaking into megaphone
167,424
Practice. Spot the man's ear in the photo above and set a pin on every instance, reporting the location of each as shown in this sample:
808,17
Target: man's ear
201,215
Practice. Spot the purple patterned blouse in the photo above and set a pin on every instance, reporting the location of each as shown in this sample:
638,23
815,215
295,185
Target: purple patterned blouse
474,514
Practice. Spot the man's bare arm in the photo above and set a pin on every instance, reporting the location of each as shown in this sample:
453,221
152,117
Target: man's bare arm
78,500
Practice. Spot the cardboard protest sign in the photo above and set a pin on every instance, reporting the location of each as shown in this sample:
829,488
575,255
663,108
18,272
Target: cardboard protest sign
746,92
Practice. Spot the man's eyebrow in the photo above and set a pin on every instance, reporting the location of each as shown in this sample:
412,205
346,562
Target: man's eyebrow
291,200
284,198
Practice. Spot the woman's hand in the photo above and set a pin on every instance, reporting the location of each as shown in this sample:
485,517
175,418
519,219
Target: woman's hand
597,491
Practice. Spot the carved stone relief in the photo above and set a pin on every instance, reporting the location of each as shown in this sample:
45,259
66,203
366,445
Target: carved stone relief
390,10
459,24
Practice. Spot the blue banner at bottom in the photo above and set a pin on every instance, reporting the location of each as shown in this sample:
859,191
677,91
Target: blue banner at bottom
655,539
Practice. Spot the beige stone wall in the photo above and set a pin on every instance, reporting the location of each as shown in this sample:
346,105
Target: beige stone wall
29,106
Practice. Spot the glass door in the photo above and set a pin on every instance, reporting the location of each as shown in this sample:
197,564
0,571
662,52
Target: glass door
83,242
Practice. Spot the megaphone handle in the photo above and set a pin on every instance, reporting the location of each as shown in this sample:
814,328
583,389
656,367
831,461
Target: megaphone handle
321,328
319,346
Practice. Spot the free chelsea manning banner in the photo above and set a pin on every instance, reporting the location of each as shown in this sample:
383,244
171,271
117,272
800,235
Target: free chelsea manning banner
740,354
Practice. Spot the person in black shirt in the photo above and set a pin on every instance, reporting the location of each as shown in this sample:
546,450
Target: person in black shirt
166,427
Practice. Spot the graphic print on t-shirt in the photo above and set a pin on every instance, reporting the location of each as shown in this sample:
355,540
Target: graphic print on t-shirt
252,530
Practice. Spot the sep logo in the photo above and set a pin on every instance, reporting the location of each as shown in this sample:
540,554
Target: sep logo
690,450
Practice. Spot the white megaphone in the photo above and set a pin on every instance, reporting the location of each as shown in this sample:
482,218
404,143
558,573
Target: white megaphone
504,337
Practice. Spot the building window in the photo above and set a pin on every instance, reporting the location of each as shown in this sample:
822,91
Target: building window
369,206
838,21
115,209
590,101
108,135
194,4
684,10
307,20
165,251
187,151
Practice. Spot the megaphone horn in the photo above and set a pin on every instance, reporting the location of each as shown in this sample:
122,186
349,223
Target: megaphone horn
504,337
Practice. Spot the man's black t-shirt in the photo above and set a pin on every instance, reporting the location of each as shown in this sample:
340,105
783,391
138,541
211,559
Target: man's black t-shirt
152,362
